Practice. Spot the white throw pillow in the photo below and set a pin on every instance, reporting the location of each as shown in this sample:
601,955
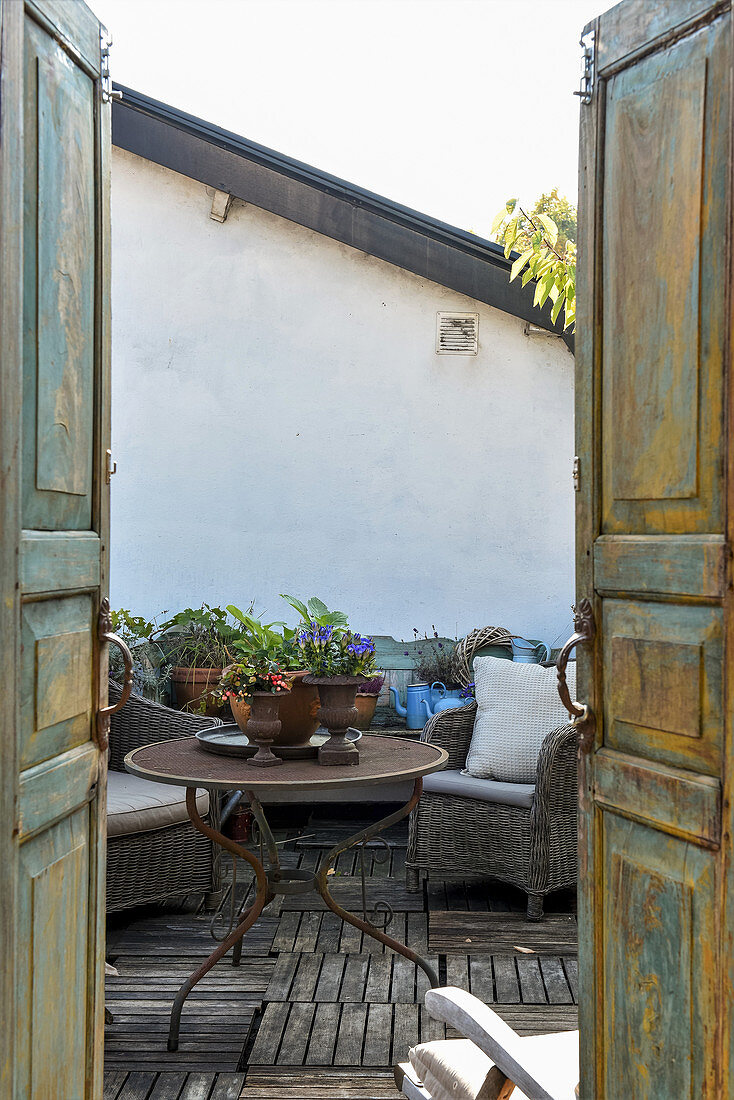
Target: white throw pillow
517,707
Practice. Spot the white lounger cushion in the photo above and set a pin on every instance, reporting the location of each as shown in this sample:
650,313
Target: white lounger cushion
456,1069
545,1067
517,707
136,805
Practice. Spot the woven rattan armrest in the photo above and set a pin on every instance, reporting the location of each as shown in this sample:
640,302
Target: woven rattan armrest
451,730
141,722
556,784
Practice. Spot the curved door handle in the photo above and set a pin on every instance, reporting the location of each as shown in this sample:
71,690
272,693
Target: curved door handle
105,634
585,629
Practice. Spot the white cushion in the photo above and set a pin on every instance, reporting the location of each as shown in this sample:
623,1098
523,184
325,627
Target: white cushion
135,805
517,707
456,1069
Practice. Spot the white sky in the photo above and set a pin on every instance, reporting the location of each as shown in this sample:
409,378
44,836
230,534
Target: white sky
448,106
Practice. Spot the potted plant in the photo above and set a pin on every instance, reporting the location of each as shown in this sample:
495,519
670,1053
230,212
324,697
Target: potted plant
261,684
198,643
151,671
275,641
366,701
338,661
434,661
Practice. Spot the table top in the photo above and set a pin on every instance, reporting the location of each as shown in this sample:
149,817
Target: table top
184,763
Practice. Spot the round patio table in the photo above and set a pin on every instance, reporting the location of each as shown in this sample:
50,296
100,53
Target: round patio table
184,763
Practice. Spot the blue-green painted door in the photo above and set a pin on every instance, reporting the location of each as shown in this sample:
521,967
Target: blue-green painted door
654,538
55,367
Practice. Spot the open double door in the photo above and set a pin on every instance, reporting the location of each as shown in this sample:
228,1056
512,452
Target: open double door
653,526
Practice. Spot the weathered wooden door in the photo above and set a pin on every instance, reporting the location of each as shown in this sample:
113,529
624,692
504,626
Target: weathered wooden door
54,394
654,536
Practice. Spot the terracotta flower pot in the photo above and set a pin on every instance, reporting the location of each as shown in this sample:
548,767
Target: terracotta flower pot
194,683
299,710
366,706
337,712
241,712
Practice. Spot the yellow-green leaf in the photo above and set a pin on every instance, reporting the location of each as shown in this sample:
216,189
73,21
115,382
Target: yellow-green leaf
498,222
557,307
519,264
550,227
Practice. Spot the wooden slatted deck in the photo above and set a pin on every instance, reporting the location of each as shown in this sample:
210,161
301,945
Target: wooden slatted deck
317,1011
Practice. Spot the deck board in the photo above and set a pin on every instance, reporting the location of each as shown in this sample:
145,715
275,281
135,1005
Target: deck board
318,1010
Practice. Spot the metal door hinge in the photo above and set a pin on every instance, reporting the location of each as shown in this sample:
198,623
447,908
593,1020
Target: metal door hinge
576,474
108,92
111,467
587,67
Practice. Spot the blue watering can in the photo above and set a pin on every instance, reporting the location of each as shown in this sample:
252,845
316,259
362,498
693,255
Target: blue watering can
442,698
413,710
525,652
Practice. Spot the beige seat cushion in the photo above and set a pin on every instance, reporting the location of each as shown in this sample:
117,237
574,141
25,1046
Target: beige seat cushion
456,1069
135,805
517,707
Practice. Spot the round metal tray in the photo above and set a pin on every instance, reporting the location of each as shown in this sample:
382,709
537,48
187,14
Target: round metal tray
231,741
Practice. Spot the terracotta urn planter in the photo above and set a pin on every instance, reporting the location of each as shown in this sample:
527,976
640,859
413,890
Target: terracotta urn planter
194,683
337,712
240,711
299,712
263,727
366,706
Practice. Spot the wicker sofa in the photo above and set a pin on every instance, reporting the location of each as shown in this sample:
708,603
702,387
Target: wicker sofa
153,851
525,835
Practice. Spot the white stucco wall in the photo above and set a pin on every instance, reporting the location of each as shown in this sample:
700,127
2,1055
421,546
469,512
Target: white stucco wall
282,423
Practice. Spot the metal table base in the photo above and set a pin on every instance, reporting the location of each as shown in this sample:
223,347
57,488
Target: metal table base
277,880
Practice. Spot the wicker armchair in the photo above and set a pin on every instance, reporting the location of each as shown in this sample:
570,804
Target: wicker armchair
148,867
535,849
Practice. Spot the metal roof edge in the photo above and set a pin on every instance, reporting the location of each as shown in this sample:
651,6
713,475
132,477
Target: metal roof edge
510,298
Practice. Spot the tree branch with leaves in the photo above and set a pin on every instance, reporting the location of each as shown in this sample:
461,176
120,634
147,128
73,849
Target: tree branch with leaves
547,255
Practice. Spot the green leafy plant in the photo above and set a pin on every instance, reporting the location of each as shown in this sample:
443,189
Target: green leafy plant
151,670
546,256
200,637
316,611
265,641
131,628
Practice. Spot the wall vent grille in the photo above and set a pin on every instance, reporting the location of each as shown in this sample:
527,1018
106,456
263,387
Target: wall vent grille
457,333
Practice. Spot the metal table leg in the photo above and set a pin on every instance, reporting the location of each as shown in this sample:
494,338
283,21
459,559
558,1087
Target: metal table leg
277,881
322,885
263,897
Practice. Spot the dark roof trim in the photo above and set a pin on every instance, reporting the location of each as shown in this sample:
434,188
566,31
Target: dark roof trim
319,201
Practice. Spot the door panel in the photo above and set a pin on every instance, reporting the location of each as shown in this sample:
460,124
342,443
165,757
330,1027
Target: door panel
659,981
55,353
56,670
653,551
52,896
59,287
65,274
664,203
663,663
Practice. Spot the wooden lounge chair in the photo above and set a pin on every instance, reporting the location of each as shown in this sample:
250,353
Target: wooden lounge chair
493,1062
